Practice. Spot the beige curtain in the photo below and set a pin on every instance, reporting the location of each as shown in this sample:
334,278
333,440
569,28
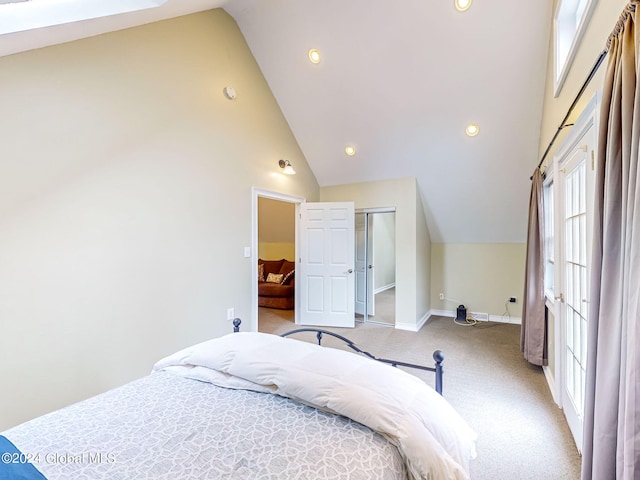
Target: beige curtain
611,447
533,332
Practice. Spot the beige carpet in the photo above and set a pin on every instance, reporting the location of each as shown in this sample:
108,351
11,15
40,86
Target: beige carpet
385,308
522,433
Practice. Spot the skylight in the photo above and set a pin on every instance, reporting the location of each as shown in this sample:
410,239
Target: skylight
22,15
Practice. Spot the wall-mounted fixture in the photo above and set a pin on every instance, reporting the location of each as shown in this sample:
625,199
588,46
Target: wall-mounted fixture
350,150
472,129
462,5
229,92
314,56
287,168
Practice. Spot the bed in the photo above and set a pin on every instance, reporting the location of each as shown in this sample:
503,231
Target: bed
250,406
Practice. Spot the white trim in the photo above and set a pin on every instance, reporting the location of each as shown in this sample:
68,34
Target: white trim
384,287
257,192
492,318
552,385
411,327
503,319
376,210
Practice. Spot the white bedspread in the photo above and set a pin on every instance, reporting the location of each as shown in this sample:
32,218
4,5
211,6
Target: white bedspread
434,440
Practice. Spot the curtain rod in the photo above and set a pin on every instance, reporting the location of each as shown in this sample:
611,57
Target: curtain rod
564,124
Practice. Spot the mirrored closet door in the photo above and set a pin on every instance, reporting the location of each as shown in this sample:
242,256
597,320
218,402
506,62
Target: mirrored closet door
376,266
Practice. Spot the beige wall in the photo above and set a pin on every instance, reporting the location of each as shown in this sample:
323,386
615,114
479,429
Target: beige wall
276,229
125,202
423,259
480,276
412,240
605,16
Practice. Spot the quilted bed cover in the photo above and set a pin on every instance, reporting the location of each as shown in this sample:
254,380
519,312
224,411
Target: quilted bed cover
203,414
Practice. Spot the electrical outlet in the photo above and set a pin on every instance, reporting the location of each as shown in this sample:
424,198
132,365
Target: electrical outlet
231,313
442,296
512,299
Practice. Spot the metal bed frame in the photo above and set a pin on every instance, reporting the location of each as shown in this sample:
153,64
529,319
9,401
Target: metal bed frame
438,356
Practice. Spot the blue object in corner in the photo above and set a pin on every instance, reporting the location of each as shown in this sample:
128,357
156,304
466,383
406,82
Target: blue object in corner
14,464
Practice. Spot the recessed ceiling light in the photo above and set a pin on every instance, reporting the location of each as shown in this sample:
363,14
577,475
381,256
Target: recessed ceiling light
472,129
314,55
462,5
350,150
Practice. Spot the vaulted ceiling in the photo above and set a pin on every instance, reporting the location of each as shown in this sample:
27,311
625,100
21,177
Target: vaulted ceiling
399,81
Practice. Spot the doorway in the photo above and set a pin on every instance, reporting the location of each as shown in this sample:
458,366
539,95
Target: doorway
375,266
274,237
324,297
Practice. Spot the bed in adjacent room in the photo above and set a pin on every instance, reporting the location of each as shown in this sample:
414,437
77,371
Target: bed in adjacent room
250,406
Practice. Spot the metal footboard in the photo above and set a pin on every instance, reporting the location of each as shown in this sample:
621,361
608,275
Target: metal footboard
438,356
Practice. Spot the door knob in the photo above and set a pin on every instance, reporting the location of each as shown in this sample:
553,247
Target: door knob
370,266
349,271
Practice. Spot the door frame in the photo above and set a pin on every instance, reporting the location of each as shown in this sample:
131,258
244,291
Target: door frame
367,211
257,193
589,118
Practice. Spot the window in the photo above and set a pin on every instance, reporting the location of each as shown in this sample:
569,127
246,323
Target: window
549,238
570,22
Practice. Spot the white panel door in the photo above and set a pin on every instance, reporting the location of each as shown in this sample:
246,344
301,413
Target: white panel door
326,262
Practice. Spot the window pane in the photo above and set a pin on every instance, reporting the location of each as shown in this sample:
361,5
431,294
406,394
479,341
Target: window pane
570,384
576,336
569,330
583,198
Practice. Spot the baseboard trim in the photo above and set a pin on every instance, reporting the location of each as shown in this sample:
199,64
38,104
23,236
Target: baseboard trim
448,313
492,318
552,385
383,288
503,319
410,327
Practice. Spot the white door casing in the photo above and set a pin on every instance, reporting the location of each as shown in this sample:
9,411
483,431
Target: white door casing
575,178
326,280
257,193
365,304
371,271
360,262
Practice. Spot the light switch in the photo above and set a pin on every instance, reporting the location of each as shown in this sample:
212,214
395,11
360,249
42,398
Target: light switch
247,252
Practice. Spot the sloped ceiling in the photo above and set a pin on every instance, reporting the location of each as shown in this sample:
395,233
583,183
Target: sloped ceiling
399,80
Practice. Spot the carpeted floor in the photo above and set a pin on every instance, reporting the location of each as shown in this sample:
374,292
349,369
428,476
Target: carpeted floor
522,434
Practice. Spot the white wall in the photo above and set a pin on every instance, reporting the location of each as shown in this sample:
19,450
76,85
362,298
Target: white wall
125,202
413,243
